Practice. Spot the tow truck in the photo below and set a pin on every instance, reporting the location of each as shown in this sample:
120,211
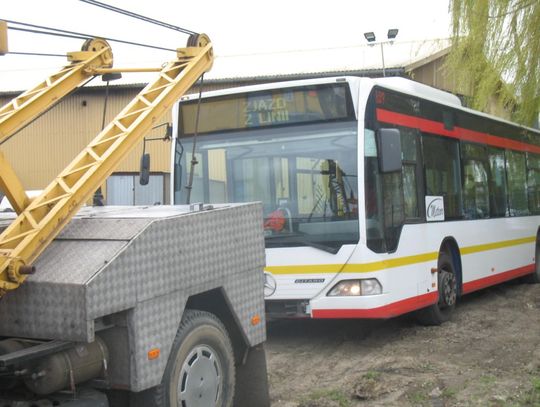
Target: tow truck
127,306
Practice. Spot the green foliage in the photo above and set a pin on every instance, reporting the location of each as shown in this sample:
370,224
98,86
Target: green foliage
326,398
496,40
533,396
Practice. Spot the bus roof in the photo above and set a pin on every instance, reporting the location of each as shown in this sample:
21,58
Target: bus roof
414,88
398,84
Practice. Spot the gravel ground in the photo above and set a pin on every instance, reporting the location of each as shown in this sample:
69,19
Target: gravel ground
487,355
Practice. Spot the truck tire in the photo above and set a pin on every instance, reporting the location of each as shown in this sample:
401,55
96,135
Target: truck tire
200,371
441,312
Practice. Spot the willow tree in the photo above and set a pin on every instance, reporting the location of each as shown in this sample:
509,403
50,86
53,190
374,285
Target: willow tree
496,53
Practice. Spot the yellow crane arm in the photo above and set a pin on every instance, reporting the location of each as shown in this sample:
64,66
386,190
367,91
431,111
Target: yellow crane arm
42,220
17,113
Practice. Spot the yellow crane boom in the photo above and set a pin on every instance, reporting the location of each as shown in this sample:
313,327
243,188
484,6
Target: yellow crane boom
16,114
41,221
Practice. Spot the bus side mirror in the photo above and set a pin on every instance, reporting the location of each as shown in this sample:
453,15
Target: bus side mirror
389,146
144,175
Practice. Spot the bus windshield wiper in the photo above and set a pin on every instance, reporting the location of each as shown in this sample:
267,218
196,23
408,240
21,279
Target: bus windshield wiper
298,238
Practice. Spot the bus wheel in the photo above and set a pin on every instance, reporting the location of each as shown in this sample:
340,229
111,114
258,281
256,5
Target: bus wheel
441,312
534,278
200,370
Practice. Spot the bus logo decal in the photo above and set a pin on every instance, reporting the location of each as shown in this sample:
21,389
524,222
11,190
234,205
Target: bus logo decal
309,280
434,208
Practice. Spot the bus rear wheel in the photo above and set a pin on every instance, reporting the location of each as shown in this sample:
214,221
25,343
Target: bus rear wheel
441,312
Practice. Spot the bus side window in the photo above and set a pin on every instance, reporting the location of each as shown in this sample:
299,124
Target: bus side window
497,182
517,183
533,182
412,173
475,181
373,195
442,172
384,201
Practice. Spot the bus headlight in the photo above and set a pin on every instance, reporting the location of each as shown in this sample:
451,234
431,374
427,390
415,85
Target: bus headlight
370,286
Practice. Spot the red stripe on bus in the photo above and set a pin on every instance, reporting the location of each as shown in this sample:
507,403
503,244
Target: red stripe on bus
421,301
497,278
386,311
430,126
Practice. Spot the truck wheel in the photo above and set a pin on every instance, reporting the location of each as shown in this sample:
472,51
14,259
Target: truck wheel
441,312
200,370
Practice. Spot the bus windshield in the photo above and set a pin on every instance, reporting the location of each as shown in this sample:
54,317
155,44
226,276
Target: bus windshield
304,174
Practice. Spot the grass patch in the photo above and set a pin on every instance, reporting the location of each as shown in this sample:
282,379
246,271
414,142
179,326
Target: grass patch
449,393
418,397
532,397
372,375
326,398
488,380
369,386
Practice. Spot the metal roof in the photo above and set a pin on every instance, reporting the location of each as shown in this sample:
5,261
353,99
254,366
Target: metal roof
360,60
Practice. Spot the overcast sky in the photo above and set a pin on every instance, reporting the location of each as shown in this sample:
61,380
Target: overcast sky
236,27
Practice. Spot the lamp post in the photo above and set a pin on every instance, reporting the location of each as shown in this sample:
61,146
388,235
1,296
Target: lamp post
370,37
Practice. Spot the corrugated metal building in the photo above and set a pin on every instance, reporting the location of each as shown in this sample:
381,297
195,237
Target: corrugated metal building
42,149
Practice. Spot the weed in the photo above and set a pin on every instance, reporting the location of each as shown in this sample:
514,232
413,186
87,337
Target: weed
372,375
323,398
532,397
488,380
534,393
418,397
449,393
369,386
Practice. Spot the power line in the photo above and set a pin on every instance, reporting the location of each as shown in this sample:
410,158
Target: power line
72,34
335,48
36,54
139,16
80,37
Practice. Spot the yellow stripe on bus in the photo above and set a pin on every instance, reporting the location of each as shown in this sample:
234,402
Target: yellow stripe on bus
497,245
390,263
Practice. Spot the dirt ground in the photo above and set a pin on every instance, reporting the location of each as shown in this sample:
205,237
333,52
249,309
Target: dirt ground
487,355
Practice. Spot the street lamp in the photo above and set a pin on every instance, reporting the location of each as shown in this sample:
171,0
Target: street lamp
370,37
392,33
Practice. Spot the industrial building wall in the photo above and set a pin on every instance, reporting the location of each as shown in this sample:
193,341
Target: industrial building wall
42,149
433,73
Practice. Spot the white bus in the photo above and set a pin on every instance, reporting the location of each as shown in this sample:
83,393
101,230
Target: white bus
381,196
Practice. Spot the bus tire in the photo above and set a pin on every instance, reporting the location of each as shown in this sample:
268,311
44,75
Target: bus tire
441,312
534,278
200,370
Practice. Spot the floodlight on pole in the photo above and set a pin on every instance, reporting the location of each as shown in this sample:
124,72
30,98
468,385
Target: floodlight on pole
370,37
392,33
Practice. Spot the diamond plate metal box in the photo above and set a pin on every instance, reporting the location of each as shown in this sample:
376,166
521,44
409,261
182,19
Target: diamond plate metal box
145,262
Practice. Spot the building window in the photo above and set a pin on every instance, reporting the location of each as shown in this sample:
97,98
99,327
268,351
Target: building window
125,189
